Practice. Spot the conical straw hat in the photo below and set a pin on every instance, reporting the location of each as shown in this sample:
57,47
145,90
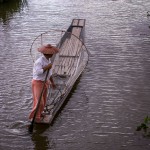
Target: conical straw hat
48,49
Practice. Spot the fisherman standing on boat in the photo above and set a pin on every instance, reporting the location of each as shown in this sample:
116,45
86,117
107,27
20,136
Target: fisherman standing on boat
41,66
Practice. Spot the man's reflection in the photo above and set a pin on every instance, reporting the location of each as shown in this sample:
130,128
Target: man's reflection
41,141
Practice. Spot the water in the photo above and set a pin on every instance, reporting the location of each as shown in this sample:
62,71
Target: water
111,97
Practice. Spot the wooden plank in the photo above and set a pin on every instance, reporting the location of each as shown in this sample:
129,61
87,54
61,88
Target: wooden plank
79,47
66,65
81,22
70,46
67,48
70,65
74,63
64,47
73,43
63,66
58,66
76,31
75,22
74,66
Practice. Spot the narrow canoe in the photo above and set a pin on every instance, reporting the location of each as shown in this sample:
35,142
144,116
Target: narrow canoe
68,64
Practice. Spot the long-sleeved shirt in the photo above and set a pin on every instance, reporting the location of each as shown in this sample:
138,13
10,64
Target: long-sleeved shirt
38,72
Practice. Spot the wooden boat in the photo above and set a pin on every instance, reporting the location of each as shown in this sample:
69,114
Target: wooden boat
68,64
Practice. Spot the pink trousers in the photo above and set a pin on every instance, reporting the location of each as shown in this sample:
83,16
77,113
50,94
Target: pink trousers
36,92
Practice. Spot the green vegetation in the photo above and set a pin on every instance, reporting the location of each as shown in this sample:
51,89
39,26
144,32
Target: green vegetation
145,126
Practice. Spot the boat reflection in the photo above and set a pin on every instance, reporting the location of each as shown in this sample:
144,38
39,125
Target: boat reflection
8,8
40,140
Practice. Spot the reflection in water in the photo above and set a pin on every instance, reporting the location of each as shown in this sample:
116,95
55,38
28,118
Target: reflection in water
112,96
8,8
41,142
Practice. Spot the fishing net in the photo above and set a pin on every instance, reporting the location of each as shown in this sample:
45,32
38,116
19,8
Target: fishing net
50,37
67,64
54,37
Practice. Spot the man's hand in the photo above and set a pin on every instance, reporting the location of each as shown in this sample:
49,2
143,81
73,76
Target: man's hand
49,66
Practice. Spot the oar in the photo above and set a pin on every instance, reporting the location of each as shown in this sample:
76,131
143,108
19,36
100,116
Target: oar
38,104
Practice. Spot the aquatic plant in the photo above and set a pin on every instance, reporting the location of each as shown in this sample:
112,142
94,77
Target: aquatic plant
145,126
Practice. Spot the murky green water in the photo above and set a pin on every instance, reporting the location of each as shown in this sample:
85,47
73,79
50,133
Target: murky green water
111,97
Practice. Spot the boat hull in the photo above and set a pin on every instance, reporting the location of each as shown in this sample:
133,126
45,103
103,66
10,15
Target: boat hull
68,65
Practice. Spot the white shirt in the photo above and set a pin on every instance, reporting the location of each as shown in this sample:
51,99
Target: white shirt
38,72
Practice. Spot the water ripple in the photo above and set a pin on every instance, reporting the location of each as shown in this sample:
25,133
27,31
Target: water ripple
112,95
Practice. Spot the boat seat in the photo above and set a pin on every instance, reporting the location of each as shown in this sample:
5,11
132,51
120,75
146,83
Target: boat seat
68,55
77,26
62,75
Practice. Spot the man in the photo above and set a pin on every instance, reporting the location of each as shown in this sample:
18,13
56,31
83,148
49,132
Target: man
40,68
